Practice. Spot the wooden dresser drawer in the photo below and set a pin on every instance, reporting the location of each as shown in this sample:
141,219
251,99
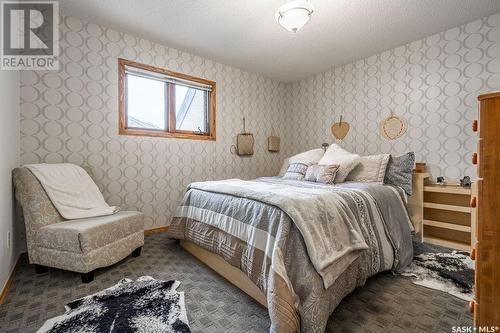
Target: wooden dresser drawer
476,272
480,158
473,212
481,118
478,212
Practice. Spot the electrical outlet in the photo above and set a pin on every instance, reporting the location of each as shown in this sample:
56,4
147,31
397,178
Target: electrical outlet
8,239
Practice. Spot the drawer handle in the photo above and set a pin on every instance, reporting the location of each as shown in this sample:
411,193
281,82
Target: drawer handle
471,306
474,126
473,202
474,158
473,253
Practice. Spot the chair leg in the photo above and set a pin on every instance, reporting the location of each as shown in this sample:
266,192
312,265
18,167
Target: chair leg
40,269
137,252
87,277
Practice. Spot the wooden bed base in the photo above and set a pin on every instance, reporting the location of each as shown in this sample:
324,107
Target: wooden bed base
226,270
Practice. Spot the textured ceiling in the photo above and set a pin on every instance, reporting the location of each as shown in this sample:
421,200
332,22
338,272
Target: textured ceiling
243,33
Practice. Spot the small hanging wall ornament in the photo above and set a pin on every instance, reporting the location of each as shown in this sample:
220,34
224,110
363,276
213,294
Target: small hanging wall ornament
340,129
273,142
393,127
244,143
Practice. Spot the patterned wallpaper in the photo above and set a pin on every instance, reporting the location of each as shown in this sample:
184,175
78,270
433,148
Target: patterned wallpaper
433,83
72,116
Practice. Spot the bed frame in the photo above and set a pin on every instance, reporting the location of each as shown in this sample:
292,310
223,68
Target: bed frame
226,270
240,280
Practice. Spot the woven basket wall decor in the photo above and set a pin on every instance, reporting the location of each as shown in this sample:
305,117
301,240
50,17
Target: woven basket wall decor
273,142
244,143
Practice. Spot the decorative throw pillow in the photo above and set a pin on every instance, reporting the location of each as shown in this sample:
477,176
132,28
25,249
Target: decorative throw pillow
400,171
370,169
296,171
346,161
309,157
284,167
321,173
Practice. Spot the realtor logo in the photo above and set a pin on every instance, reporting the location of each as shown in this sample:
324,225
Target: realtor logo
30,35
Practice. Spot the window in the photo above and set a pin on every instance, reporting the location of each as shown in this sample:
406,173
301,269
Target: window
158,102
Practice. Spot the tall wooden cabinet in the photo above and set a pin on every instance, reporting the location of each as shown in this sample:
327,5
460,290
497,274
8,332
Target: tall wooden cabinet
486,305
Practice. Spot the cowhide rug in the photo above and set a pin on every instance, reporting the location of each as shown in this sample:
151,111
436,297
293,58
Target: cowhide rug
451,272
144,305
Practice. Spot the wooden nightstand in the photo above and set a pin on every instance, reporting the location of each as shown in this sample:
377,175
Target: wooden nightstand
448,216
416,200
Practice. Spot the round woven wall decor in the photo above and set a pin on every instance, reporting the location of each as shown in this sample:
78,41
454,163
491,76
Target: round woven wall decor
393,127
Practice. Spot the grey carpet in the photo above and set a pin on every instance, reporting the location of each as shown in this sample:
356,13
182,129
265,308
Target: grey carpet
385,304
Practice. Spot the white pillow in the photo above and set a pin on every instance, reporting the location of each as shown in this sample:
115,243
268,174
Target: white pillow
370,169
309,157
284,167
346,161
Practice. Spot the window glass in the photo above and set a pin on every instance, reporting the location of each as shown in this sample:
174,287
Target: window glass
191,109
145,103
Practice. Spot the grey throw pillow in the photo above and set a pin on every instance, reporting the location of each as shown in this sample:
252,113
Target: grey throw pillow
296,171
322,173
400,170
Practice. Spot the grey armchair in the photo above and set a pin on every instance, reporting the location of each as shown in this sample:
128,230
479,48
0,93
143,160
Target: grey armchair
76,245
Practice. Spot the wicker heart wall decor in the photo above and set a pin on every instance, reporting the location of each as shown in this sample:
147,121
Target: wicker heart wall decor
340,129
393,127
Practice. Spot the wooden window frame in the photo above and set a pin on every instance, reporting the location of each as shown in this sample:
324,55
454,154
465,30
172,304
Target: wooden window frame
171,131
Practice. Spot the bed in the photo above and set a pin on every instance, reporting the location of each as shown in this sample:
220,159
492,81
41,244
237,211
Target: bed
296,247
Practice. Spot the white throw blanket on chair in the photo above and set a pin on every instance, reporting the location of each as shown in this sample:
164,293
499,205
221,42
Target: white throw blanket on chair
71,190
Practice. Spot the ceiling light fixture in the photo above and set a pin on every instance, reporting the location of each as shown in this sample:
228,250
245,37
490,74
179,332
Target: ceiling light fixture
293,15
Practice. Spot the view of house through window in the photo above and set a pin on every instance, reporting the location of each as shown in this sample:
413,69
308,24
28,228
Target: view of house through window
190,106
158,102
